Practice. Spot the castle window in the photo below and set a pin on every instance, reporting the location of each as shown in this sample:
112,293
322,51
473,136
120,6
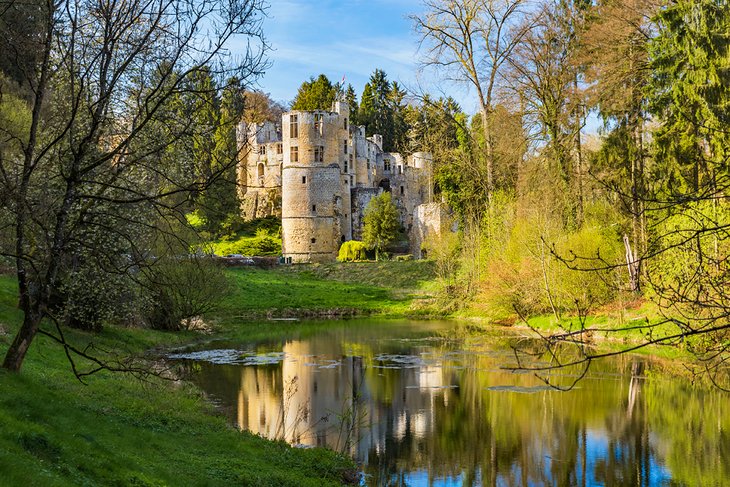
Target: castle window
345,125
401,190
318,124
314,240
368,165
345,166
293,126
279,149
294,154
262,150
304,179
344,146
314,208
261,174
387,165
319,154
400,169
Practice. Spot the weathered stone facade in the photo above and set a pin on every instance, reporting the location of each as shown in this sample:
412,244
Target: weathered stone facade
318,173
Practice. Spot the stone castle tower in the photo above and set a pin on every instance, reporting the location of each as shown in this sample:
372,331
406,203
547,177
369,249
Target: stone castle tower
317,173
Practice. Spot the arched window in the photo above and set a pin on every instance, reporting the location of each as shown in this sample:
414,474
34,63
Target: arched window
261,174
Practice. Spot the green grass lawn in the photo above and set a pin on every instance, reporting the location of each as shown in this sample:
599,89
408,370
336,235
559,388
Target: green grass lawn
390,288
118,430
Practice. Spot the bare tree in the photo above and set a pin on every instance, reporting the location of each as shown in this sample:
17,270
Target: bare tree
85,178
471,41
615,52
543,75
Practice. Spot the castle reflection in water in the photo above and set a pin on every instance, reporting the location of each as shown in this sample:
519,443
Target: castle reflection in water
428,411
308,401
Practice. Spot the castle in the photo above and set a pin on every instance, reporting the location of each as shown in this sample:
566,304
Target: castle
318,172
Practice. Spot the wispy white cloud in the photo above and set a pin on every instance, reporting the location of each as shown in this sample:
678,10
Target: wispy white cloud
336,37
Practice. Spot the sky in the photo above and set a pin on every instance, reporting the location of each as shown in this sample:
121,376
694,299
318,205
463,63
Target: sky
349,38
352,38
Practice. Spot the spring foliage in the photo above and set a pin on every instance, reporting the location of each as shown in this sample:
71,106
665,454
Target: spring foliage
351,251
381,223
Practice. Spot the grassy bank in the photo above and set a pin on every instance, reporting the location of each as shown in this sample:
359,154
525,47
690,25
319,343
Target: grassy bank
391,288
612,328
119,431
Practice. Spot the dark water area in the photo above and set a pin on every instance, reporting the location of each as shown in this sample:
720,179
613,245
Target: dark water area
417,406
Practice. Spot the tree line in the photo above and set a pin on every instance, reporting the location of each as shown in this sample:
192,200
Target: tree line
554,220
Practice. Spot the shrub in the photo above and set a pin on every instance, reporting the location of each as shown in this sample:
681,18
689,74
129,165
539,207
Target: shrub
263,244
524,275
195,220
91,297
351,251
182,289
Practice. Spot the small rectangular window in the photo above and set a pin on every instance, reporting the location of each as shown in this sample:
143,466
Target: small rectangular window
345,123
344,145
262,150
314,208
304,179
400,169
318,124
294,154
401,190
293,126
314,240
319,154
387,165
345,166
279,149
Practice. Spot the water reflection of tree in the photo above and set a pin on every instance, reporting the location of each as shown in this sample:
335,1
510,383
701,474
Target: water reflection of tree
518,439
619,430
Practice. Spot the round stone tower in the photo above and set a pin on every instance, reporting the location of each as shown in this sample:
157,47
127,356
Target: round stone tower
315,193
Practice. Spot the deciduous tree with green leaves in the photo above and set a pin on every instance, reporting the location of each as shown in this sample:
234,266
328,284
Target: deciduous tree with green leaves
381,223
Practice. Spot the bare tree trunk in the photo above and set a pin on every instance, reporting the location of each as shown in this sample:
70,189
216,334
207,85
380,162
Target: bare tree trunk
31,319
579,157
18,349
489,154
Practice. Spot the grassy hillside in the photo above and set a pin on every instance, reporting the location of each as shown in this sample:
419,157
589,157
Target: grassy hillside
119,431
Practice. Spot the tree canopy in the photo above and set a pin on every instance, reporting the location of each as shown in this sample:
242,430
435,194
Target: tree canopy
381,223
316,94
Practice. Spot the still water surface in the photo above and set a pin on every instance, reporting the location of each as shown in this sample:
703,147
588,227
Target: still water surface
417,406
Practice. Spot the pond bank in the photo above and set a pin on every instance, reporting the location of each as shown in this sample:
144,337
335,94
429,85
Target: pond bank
118,430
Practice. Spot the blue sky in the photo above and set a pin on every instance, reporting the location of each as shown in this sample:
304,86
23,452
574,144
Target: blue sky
351,38
346,37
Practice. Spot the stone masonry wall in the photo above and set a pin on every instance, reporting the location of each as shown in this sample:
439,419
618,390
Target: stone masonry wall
320,178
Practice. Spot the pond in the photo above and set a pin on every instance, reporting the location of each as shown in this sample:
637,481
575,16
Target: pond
416,405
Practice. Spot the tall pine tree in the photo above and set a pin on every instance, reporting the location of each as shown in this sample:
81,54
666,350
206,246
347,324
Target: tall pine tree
316,94
690,92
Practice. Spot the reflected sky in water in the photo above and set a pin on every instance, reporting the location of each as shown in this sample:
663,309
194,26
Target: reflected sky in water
417,406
